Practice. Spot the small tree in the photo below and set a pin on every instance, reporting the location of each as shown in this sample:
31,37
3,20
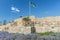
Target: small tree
21,16
26,20
4,22
0,23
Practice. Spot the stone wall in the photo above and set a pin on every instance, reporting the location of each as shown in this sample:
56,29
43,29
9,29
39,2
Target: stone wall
41,24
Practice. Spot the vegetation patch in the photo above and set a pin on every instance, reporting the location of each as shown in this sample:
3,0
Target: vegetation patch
45,33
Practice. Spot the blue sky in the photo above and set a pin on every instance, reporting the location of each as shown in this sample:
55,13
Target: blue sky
5,9
43,8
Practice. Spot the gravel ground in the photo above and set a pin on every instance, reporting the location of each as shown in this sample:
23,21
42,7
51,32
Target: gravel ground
8,36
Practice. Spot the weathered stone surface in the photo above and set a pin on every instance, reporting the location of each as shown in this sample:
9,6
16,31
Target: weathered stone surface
46,24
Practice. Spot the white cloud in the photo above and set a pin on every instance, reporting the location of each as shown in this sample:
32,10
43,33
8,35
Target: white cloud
15,9
12,8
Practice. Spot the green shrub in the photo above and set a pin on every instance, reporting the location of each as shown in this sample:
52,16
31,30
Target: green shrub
44,33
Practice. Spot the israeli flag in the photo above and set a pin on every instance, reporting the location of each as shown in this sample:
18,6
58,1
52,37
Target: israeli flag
13,9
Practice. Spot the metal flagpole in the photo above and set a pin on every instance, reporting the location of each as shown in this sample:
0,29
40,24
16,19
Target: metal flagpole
29,9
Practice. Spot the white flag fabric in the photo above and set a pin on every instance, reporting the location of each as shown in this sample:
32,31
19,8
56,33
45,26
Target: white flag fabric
15,9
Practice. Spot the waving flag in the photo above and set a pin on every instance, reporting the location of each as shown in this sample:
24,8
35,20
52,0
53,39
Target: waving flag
13,9
32,4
